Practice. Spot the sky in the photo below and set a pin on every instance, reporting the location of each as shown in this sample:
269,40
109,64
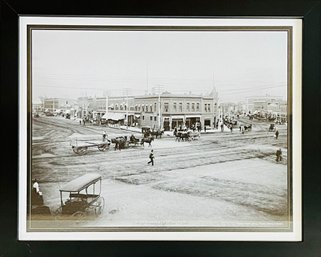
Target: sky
239,64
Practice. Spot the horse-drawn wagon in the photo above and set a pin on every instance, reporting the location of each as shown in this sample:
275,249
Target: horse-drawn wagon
272,127
186,135
79,197
80,145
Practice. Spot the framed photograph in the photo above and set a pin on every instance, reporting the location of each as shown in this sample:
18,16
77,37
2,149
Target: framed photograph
160,129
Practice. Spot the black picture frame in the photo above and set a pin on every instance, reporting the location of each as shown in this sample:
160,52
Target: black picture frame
309,11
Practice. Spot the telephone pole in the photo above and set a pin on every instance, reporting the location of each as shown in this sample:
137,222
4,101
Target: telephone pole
126,90
158,90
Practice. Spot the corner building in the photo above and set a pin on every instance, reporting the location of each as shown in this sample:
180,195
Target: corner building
167,111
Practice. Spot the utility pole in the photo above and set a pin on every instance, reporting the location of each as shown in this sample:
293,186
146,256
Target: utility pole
158,90
106,94
126,90
214,94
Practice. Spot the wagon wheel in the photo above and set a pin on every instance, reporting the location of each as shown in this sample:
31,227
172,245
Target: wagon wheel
80,150
79,215
102,147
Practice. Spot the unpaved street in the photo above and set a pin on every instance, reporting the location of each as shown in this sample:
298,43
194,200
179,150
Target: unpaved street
220,180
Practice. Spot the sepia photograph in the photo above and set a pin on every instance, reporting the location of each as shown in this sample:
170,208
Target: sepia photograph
152,126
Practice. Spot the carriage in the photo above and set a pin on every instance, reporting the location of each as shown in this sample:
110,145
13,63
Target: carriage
80,197
187,135
272,127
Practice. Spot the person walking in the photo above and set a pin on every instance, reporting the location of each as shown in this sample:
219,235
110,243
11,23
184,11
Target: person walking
278,155
276,134
104,136
151,157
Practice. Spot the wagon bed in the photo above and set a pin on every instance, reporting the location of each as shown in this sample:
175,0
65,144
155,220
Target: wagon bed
81,147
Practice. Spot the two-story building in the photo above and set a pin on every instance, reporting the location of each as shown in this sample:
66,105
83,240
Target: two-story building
167,111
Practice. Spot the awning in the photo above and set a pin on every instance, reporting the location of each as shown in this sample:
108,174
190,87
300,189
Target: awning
114,116
177,117
193,116
80,183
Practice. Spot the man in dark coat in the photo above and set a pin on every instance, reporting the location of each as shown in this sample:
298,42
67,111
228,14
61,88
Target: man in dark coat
279,155
151,157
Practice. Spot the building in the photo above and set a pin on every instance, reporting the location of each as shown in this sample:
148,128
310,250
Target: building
167,111
268,107
58,105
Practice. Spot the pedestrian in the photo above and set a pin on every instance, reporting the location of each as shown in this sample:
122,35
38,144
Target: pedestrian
84,122
231,128
276,134
37,197
205,129
151,157
35,186
222,127
79,122
279,155
104,136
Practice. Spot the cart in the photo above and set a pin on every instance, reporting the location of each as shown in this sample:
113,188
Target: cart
81,147
79,198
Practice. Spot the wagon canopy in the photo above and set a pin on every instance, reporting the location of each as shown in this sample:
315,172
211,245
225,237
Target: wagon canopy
81,183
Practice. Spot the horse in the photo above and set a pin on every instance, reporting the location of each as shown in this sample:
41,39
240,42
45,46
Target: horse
120,142
157,133
147,140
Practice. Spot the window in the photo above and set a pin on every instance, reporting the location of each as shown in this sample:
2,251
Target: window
175,107
166,107
197,107
155,118
206,107
155,107
209,107
151,117
180,107
143,117
193,107
187,107
151,108
143,108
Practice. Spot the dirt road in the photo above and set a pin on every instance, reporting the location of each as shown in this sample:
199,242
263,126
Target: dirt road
222,179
